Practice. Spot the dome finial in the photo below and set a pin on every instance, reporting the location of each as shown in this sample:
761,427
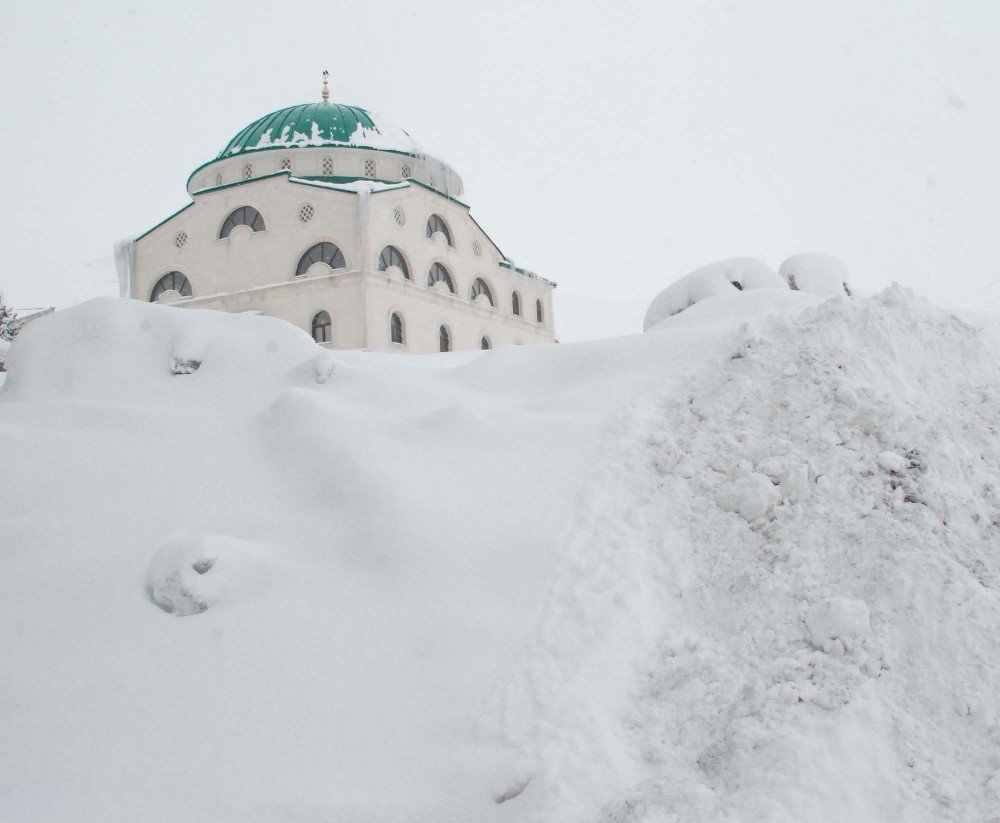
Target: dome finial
326,90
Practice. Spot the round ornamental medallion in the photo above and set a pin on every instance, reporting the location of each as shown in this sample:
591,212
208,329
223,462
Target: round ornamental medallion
477,248
306,213
398,216
180,239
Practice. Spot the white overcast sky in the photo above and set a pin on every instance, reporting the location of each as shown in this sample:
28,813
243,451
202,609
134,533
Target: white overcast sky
612,147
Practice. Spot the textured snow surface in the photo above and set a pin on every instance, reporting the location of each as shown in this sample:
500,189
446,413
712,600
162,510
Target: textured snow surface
746,568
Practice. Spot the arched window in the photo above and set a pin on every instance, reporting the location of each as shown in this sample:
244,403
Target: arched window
322,327
515,304
538,311
436,223
439,274
479,287
171,281
396,329
243,216
445,338
485,343
321,253
391,256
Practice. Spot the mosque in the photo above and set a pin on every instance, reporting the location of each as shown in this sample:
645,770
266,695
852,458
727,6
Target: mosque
327,216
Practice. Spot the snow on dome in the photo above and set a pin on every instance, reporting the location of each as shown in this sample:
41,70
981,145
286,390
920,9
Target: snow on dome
724,277
821,274
320,124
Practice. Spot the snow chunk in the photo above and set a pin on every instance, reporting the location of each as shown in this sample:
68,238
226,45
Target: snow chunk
190,574
892,462
836,624
750,497
821,274
725,277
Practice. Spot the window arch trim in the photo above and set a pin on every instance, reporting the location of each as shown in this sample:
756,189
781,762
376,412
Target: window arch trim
171,281
392,256
480,286
243,216
325,251
437,223
397,329
438,272
322,327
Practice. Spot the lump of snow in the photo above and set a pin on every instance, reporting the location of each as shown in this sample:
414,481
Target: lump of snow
725,277
189,574
836,624
892,462
821,274
794,482
750,497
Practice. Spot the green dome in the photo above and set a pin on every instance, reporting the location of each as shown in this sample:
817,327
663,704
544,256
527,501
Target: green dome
319,124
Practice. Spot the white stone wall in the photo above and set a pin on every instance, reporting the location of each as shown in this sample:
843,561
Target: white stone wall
317,161
255,271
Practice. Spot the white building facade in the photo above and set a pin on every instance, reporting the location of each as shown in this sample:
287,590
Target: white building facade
329,218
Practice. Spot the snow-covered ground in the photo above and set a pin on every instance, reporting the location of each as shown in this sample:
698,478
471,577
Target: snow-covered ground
743,567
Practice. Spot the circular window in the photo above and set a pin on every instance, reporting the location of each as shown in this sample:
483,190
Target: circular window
398,216
180,239
477,248
404,172
306,213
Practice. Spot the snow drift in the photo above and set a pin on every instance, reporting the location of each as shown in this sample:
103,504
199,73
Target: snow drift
715,279
744,568
821,275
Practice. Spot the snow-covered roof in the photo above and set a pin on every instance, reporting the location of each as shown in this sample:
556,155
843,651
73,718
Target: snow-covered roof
320,124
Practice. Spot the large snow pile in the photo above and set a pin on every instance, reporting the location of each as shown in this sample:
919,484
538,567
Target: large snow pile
746,568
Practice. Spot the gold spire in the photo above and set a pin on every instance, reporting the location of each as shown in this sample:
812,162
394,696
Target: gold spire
326,90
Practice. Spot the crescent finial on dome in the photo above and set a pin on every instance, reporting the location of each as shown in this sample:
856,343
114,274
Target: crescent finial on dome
326,89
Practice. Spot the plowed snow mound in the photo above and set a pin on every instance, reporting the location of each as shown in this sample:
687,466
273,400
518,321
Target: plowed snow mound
783,600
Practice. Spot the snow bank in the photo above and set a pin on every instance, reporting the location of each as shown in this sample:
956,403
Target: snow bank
819,274
742,569
724,277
